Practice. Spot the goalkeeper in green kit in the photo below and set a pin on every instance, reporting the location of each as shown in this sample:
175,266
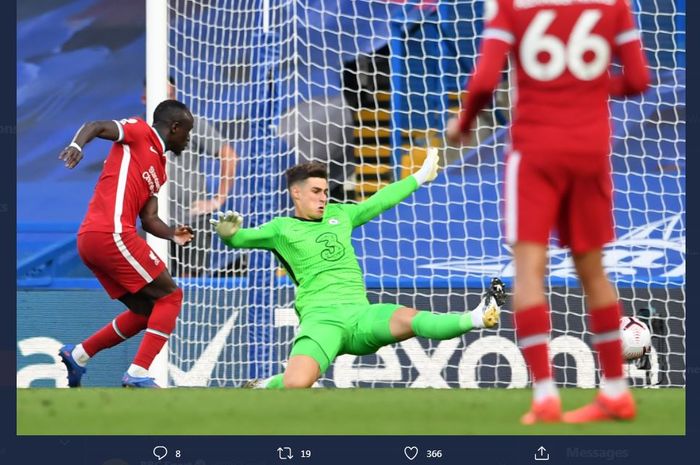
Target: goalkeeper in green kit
331,300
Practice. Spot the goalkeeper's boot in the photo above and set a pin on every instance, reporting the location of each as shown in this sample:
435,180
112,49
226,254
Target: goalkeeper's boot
496,292
491,316
604,408
254,384
75,371
486,314
138,382
490,306
547,410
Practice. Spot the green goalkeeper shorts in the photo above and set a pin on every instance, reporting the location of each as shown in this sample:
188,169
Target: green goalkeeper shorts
325,333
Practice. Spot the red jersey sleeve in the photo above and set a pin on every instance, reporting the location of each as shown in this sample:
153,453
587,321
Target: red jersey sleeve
498,39
628,47
131,129
625,30
498,22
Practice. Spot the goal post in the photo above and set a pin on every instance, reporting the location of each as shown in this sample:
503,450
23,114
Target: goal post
156,92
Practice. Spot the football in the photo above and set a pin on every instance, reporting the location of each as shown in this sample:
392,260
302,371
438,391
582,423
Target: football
636,338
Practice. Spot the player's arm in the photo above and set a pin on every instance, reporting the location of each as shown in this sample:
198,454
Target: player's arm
496,44
486,77
227,168
394,193
227,173
228,227
634,78
152,224
109,130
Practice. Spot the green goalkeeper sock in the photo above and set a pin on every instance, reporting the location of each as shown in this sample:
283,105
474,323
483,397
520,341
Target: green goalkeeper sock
441,326
275,382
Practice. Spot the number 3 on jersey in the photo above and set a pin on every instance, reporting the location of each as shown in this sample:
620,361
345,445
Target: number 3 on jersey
562,56
333,250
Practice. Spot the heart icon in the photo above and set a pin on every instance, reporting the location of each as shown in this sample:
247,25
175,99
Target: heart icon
410,452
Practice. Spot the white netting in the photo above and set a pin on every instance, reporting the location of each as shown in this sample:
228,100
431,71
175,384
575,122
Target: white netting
365,86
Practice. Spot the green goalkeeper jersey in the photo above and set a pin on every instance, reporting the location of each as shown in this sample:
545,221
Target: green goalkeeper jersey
318,254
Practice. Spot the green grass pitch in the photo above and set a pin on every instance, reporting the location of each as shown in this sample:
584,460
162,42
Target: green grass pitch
213,411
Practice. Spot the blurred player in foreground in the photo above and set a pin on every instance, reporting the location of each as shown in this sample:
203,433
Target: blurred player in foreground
125,265
558,170
315,247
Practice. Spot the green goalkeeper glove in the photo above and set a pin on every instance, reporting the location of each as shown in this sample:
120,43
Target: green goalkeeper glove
430,167
227,224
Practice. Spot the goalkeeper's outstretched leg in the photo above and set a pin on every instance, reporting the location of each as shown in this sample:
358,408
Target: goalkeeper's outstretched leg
406,322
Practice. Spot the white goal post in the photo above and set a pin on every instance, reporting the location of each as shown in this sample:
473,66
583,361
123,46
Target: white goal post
156,92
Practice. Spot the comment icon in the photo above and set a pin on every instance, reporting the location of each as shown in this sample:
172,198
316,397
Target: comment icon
160,452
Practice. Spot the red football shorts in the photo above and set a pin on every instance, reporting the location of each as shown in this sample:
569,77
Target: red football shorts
123,263
570,194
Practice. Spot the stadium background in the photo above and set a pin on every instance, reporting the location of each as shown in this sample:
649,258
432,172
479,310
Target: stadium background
67,62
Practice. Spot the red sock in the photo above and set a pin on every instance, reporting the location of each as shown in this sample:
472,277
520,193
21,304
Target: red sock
605,325
160,324
124,326
532,326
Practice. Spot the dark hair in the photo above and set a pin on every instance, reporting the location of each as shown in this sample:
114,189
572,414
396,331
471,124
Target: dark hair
304,171
169,111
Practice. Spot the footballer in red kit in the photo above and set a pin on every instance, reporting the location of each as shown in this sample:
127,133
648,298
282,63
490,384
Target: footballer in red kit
108,243
557,174
133,172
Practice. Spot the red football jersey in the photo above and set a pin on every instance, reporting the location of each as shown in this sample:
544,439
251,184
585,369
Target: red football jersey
561,50
133,171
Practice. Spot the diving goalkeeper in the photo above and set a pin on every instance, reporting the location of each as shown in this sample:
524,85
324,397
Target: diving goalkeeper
331,300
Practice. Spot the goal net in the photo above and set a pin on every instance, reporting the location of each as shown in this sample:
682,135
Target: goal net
366,86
